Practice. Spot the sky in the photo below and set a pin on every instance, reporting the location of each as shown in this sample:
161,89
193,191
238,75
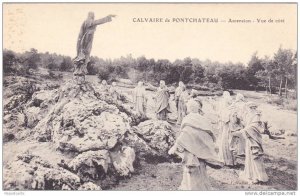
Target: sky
55,28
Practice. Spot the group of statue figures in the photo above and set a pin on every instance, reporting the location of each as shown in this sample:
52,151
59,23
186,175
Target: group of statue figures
240,130
238,137
239,124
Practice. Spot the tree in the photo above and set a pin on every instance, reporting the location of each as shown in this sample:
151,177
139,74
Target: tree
91,68
283,60
173,75
160,70
264,80
9,61
254,65
268,73
31,59
52,65
293,75
142,64
66,64
211,73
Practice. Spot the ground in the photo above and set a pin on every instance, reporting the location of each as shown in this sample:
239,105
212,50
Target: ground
167,176
280,155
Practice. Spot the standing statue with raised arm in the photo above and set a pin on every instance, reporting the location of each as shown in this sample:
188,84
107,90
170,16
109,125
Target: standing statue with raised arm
84,44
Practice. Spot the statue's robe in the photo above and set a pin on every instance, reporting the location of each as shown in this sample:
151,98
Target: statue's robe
182,110
178,91
84,44
162,103
254,168
139,99
196,147
224,138
239,146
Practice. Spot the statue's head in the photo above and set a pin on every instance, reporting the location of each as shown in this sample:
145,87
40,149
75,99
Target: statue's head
239,97
140,83
193,93
104,82
181,84
226,97
91,16
233,116
162,83
193,106
226,94
251,106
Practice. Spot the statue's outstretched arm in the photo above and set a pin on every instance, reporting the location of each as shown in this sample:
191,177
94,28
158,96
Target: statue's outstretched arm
151,87
104,20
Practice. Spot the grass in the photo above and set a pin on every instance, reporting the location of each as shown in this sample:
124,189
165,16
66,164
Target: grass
290,104
284,103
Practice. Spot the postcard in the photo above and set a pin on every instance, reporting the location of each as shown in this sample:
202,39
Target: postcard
150,96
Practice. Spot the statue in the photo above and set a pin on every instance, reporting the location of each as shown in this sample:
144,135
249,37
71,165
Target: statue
84,44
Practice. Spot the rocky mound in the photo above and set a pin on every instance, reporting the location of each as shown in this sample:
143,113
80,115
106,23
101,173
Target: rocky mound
104,138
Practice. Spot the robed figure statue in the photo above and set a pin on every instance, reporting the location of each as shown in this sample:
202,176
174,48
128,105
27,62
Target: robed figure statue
85,41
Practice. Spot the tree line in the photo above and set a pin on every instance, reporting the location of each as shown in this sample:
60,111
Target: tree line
276,74
21,63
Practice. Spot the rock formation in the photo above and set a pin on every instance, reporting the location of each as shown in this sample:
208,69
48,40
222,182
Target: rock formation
103,137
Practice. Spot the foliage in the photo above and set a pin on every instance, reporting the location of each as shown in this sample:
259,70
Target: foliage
255,65
269,73
19,64
9,61
284,103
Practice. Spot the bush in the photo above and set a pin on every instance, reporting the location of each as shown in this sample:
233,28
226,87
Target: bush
278,101
290,104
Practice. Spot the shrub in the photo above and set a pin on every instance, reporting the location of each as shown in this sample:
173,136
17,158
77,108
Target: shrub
278,101
290,104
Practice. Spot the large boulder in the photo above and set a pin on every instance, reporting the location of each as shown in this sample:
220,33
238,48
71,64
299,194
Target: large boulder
32,116
14,102
13,124
89,125
14,119
79,121
17,92
123,160
123,104
30,172
91,165
44,98
158,135
75,115
141,147
97,165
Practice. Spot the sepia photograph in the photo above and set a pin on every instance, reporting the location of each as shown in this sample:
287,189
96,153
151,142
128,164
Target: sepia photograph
149,97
